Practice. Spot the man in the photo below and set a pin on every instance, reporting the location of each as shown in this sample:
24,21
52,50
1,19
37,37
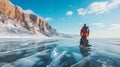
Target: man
84,33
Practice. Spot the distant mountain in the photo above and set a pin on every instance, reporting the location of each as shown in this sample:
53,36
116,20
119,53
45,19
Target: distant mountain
15,21
69,35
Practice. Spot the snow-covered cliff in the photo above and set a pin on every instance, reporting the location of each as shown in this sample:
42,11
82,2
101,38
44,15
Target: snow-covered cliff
15,21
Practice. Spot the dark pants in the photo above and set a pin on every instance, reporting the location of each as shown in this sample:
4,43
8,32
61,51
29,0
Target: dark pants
84,41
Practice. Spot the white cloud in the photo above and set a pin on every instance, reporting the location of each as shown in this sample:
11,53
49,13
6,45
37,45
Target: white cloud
69,13
81,11
99,7
108,31
48,19
115,26
29,11
98,24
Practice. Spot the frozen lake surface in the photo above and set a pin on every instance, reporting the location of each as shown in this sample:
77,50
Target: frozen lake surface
59,53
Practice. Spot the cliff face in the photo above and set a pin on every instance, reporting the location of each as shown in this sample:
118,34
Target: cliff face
30,22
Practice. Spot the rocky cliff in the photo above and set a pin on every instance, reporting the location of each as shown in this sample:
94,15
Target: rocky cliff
22,20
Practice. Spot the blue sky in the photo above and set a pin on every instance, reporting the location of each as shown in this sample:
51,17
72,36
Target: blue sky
68,16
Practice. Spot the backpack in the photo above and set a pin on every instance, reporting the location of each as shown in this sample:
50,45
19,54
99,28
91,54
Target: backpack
85,29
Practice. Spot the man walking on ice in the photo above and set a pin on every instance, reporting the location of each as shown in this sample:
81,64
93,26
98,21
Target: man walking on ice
84,33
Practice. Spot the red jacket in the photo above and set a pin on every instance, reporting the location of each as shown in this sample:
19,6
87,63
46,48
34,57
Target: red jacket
82,33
